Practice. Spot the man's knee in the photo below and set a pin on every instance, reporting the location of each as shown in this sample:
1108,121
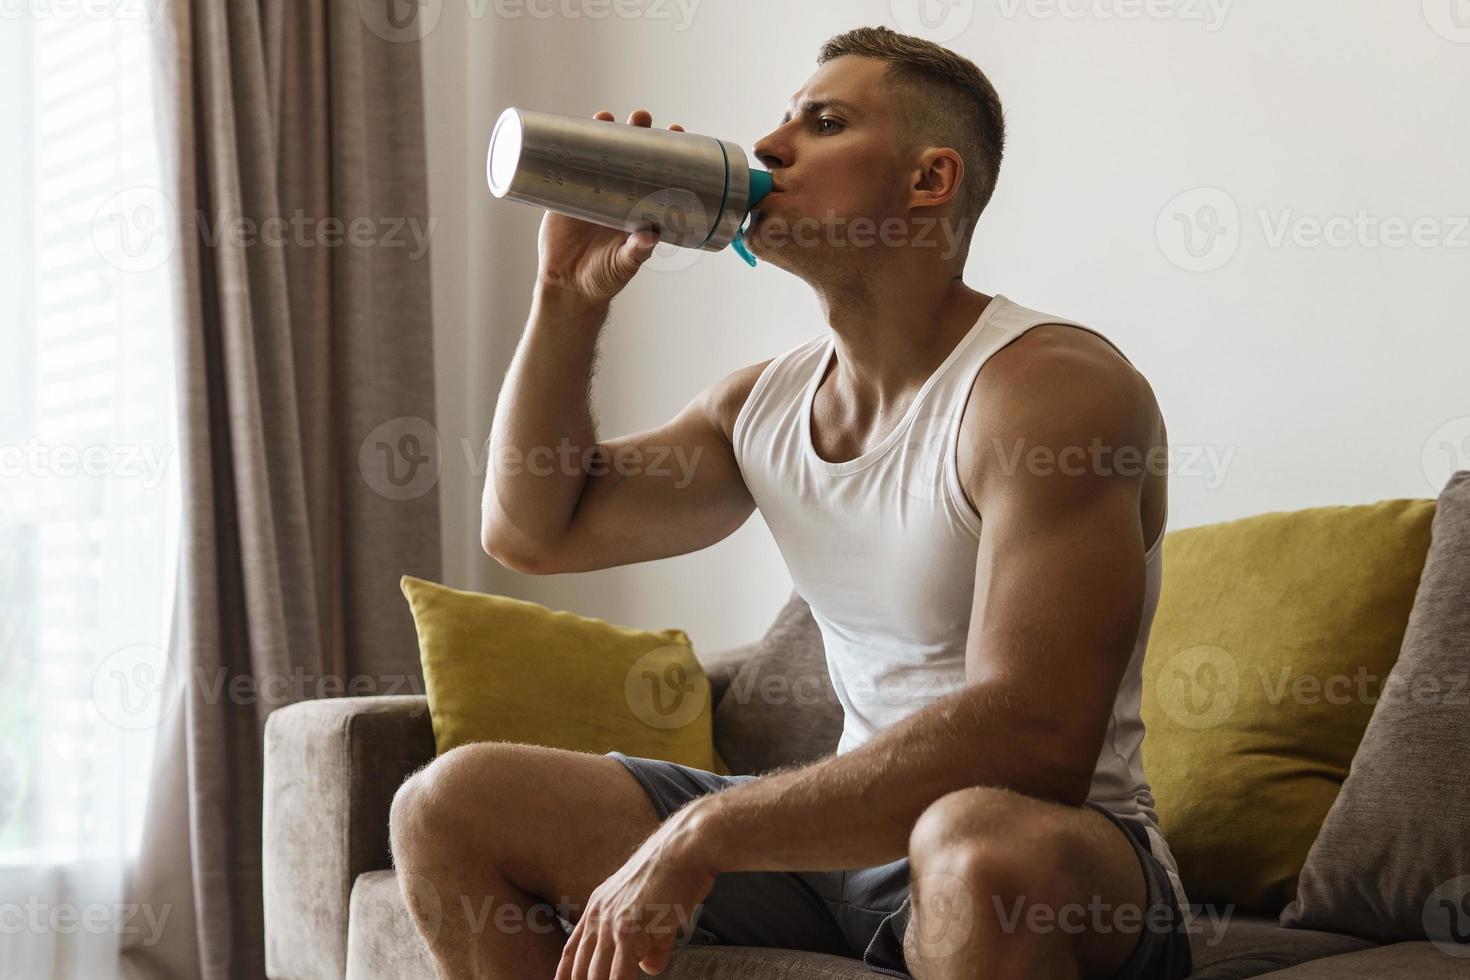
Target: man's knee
971,816
435,806
982,844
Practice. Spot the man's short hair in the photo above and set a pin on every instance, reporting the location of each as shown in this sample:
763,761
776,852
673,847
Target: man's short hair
946,100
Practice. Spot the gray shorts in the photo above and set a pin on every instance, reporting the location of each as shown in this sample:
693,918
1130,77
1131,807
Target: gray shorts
862,913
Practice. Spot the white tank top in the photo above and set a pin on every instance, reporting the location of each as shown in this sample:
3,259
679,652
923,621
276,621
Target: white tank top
883,550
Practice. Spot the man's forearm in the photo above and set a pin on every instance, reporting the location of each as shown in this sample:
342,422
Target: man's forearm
531,490
857,809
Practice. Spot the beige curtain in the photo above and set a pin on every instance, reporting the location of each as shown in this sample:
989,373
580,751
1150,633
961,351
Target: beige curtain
306,401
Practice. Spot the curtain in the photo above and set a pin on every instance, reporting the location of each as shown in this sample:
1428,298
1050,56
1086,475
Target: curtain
306,399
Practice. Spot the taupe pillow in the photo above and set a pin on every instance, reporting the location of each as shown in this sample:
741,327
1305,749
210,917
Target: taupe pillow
1392,860
779,707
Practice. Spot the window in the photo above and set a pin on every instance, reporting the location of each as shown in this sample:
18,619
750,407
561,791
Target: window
89,493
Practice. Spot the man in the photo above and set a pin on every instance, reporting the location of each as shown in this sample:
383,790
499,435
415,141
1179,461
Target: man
995,531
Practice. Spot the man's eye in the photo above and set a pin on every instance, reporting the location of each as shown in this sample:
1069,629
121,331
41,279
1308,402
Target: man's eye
828,119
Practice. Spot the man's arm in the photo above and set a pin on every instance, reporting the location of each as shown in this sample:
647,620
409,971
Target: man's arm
558,500
1059,588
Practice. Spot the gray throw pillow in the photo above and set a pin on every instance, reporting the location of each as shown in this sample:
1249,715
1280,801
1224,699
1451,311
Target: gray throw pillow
779,707
1392,860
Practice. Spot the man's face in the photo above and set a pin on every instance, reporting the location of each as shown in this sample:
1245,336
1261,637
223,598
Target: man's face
833,160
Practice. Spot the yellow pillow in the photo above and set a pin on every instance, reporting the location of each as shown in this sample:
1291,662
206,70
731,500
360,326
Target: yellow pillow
1271,642
503,669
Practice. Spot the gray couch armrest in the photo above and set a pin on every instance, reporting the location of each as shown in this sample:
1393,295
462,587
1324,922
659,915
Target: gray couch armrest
331,769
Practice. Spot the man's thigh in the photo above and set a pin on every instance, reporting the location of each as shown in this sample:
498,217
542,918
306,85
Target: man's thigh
553,822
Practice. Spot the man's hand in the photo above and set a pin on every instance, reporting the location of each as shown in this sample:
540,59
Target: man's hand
634,917
591,262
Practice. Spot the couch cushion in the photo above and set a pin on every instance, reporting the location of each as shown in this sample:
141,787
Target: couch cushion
1247,945
779,707
383,944
755,963
498,668
1393,858
1412,961
1263,626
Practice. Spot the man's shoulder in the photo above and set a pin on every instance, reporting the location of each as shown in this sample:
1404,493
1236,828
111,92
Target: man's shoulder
726,397
1054,387
1052,368
1053,352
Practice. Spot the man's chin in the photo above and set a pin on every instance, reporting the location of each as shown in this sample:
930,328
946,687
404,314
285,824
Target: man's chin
765,249
764,243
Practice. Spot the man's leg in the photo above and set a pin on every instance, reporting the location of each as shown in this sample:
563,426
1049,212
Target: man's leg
1021,887
488,834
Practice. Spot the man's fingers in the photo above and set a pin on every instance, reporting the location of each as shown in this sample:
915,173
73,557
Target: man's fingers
585,950
625,964
638,117
569,953
600,966
656,960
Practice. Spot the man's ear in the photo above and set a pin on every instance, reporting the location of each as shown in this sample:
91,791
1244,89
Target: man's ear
940,171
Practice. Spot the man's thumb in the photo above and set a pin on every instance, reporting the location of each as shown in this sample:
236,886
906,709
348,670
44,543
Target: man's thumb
641,244
655,962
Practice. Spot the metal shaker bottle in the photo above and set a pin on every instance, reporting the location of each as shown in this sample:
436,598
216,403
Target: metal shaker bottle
695,190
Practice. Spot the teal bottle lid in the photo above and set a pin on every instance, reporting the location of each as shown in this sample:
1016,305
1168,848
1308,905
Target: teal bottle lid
760,186
739,245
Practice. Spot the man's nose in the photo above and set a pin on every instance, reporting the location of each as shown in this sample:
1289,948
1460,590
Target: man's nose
772,151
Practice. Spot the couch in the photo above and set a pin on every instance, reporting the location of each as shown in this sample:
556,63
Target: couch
334,909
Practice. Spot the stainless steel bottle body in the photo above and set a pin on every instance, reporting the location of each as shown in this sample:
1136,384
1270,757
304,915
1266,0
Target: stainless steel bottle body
694,189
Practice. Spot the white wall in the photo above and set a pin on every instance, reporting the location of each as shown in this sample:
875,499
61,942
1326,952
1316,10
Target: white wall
1316,374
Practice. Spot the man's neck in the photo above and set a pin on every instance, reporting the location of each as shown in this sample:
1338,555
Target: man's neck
889,343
